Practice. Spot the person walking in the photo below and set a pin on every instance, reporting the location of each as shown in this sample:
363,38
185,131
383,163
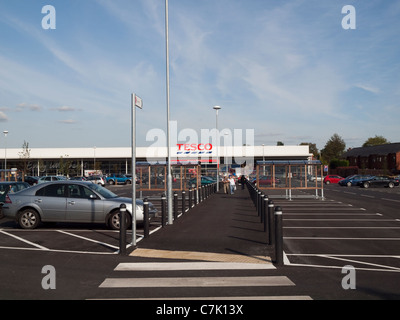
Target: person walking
232,184
225,181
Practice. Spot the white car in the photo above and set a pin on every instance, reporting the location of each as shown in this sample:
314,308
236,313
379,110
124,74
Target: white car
51,178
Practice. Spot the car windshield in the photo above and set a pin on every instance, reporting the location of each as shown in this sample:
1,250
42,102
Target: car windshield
102,191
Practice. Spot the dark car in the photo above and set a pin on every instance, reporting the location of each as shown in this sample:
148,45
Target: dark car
11,187
354,180
377,181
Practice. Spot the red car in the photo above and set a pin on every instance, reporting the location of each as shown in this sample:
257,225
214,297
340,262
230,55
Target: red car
332,179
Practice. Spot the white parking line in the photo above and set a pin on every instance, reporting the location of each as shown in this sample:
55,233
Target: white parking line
24,240
88,239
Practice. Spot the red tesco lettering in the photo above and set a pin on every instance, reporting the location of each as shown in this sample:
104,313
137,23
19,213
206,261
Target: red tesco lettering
194,147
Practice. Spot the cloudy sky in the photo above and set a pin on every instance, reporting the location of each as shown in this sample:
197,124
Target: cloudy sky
287,69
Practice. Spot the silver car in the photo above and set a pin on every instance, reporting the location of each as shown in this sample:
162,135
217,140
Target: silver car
69,201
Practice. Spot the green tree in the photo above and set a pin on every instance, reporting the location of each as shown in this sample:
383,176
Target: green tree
375,141
312,148
333,149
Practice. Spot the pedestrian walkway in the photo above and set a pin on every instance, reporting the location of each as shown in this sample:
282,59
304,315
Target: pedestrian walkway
223,228
216,250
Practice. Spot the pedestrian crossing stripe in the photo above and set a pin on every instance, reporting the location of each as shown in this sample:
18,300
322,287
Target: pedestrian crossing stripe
181,266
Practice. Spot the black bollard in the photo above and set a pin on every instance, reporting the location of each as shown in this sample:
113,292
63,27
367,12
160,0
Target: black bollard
183,201
146,225
278,237
175,205
122,229
190,198
163,210
270,217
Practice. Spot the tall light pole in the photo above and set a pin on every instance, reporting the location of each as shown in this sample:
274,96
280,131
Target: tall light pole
217,108
169,176
5,155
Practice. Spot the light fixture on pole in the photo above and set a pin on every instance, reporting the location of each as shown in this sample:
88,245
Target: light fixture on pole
217,108
5,155
169,176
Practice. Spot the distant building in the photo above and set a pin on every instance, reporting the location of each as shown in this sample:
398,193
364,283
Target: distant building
385,157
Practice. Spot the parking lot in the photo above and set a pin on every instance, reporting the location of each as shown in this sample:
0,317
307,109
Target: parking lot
70,237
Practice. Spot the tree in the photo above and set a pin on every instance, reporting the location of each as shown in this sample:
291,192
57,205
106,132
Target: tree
312,148
333,149
280,143
25,154
376,141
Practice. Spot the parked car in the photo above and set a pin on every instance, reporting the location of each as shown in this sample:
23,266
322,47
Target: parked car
354,180
97,179
11,186
51,178
69,201
204,181
78,178
378,181
31,180
118,178
266,181
332,179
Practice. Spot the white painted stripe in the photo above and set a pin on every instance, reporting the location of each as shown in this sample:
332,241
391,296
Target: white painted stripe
24,240
373,228
223,298
332,238
88,239
197,282
386,199
59,251
170,266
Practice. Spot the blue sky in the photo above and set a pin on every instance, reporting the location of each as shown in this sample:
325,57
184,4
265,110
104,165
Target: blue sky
286,69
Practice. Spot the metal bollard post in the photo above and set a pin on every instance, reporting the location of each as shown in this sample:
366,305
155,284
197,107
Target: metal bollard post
122,229
190,198
265,210
146,225
262,208
270,218
175,205
183,201
278,237
195,193
163,210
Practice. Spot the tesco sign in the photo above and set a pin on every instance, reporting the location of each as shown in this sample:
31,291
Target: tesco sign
194,148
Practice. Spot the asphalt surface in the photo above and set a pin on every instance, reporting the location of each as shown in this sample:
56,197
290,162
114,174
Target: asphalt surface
216,250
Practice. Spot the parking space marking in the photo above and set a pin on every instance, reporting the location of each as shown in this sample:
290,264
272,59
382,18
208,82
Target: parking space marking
24,240
346,258
88,239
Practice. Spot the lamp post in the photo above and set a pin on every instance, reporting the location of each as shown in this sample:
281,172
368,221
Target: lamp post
217,108
169,175
5,155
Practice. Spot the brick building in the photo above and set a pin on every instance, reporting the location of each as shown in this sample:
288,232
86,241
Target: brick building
385,158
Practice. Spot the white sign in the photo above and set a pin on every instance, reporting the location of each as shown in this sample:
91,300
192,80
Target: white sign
138,102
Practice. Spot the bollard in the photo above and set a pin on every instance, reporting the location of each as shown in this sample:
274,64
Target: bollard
190,198
122,229
262,208
175,205
183,201
265,211
270,218
163,210
146,225
195,197
278,237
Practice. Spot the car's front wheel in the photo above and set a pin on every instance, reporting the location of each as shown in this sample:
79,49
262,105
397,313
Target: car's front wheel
113,221
366,185
391,185
28,219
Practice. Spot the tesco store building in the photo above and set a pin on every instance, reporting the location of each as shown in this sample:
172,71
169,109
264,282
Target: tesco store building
83,161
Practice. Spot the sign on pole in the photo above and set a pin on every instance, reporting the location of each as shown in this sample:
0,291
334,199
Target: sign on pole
136,102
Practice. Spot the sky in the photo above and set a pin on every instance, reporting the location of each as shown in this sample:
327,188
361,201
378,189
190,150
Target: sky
288,70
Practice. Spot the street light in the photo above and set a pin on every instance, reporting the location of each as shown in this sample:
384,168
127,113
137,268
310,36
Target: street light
217,108
5,155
